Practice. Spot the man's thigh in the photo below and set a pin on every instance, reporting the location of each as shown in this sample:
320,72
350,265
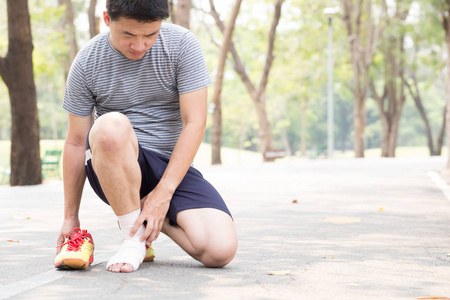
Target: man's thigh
194,192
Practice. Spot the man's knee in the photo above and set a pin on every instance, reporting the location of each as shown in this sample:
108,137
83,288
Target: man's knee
218,255
211,235
110,132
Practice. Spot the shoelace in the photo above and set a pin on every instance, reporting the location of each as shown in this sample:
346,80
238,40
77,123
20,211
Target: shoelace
74,241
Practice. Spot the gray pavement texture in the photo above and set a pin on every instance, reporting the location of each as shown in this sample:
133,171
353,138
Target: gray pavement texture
330,229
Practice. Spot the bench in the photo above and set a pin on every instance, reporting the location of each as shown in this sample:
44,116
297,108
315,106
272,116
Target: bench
274,154
50,162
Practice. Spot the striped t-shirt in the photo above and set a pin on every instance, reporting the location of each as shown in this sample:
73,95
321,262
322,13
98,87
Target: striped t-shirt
146,90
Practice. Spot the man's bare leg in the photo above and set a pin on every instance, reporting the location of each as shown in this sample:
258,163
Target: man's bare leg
115,150
206,234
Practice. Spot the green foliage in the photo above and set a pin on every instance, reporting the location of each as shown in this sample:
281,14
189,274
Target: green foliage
49,53
50,47
298,76
50,50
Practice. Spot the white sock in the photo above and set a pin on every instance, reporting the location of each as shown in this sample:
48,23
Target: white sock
132,250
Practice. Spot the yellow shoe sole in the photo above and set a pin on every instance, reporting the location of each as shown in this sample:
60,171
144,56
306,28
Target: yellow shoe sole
73,264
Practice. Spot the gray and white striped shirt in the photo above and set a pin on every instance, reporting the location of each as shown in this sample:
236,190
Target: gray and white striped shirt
146,90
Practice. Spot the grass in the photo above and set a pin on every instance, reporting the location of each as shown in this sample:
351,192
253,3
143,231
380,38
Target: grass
5,149
399,152
229,156
203,158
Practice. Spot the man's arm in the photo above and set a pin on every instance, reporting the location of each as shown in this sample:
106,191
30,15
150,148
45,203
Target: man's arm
74,174
156,204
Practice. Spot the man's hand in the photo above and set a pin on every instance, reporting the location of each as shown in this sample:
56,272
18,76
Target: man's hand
154,208
67,228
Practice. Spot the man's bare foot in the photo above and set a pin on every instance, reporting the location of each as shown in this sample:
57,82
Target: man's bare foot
121,268
128,258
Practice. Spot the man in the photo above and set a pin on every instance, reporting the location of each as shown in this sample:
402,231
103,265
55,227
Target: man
146,83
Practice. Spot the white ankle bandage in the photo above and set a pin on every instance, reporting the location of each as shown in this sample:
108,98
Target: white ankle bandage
132,250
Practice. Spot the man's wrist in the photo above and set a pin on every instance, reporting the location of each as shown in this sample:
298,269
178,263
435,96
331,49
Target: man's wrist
71,216
167,186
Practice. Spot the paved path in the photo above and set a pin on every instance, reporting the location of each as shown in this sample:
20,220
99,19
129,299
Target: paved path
338,229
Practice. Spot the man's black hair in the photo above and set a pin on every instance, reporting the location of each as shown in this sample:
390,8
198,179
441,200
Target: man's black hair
145,11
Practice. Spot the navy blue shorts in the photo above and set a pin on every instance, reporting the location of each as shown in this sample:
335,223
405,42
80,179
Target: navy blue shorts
193,192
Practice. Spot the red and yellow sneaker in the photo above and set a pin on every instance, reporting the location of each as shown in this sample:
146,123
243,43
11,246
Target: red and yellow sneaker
150,254
77,251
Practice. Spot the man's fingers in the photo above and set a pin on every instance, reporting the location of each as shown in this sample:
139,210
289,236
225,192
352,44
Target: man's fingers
136,225
156,230
143,201
148,231
59,242
156,236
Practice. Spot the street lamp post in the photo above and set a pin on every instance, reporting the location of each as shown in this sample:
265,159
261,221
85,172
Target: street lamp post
329,12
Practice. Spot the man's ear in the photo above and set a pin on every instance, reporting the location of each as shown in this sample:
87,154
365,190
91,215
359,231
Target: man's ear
106,18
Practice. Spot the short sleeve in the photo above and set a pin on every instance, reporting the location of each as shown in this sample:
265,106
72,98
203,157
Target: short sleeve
78,98
192,73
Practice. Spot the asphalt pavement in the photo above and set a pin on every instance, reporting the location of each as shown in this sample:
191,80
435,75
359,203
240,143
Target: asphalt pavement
308,229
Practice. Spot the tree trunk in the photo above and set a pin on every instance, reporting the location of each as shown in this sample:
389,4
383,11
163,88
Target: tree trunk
258,95
172,12
415,95
285,141
390,104
440,141
16,70
359,122
386,149
393,133
260,101
70,30
359,73
361,57
265,134
216,131
182,14
385,127
94,21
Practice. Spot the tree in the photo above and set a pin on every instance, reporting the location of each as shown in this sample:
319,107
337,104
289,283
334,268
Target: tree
16,70
362,54
424,72
391,102
182,13
171,11
70,29
258,94
414,91
50,50
216,131
94,21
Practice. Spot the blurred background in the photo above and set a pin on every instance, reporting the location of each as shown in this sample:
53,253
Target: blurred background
300,79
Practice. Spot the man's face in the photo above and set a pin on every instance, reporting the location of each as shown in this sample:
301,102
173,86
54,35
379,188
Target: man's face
132,38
